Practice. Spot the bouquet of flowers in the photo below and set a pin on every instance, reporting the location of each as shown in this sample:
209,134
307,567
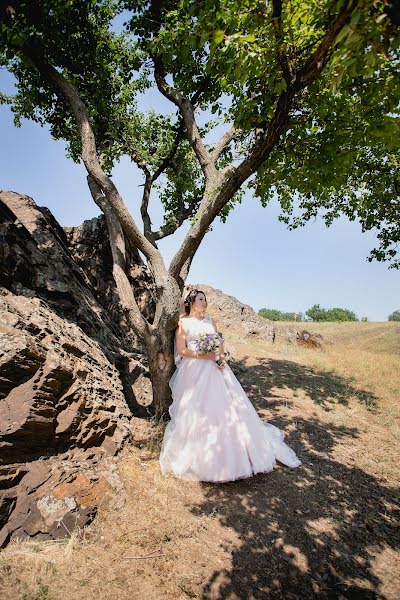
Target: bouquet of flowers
209,342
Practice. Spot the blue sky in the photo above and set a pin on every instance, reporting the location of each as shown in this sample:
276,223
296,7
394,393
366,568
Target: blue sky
252,256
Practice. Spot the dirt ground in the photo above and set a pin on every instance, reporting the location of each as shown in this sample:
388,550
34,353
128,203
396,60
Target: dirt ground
327,529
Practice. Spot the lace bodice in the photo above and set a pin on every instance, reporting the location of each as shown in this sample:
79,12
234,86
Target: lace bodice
194,327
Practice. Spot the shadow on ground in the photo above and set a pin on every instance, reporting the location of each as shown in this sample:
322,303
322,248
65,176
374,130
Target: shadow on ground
323,387
309,532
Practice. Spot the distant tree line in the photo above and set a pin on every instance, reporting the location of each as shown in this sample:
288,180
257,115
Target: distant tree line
277,315
395,316
315,313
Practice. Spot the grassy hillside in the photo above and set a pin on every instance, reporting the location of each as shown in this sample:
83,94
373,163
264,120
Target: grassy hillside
374,337
367,356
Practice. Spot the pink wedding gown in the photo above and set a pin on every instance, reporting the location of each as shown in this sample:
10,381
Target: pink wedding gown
215,433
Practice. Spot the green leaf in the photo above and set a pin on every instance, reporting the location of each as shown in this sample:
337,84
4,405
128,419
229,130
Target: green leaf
280,86
342,34
218,36
248,38
381,18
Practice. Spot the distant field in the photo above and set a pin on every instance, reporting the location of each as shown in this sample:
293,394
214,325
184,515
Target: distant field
375,337
366,354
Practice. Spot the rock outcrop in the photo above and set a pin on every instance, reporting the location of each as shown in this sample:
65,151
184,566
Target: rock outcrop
58,389
91,251
69,379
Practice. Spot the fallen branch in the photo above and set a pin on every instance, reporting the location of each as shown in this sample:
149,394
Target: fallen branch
151,555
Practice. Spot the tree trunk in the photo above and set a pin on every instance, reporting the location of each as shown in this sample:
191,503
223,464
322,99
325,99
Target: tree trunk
160,353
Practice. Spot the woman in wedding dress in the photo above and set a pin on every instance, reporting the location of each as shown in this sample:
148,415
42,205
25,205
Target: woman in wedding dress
215,433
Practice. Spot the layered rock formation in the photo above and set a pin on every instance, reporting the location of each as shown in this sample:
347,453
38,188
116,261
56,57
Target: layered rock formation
90,252
310,340
58,389
69,380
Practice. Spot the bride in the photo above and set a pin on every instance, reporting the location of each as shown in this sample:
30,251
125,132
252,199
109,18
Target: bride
215,433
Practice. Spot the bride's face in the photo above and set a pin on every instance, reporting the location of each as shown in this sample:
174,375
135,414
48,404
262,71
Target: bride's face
200,303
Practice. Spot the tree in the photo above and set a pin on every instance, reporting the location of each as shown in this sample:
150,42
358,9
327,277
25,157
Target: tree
394,316
340,314
317,313
308,93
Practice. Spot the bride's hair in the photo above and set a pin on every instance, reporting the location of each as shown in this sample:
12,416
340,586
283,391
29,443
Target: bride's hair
190,298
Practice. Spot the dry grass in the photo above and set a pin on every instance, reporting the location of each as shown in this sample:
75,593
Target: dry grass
326,529
367,356
376,337
114,558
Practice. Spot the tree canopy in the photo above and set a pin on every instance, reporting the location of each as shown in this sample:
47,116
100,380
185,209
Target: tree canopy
317,313
309,92
394,316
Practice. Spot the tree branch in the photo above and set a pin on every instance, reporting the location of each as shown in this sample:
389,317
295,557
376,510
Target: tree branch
231,179
277,24
223,143
135,156
149,180
304,77
144,209
117,244
187,111
318,59
185,105
167,160
90,158
170,228
185,270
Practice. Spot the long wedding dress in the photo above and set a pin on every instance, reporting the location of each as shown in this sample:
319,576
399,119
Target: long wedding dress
215,433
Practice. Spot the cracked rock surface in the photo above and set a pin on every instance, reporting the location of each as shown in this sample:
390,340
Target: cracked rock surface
70,379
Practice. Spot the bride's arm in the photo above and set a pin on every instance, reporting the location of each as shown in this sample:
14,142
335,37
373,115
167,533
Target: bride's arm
180,343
